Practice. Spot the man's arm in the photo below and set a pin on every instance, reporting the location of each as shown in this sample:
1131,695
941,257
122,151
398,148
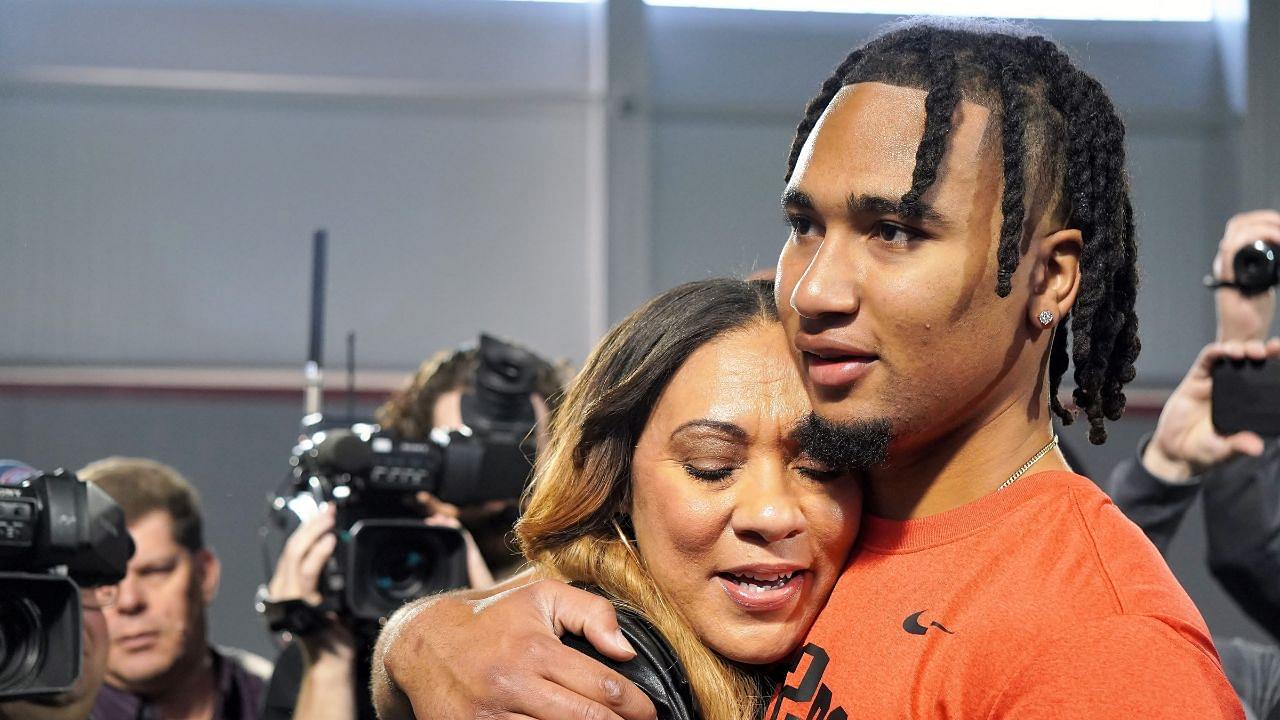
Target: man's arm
1185,451
1242,500
497,653
327,689
1154,504
1242,521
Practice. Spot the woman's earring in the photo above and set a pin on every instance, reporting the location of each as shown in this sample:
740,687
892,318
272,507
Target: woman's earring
1046,317
622,535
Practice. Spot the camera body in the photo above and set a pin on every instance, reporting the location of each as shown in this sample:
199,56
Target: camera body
56,533
386,554
1255,267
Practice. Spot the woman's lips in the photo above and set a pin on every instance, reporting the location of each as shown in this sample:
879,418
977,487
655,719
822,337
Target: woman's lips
837,371
756,595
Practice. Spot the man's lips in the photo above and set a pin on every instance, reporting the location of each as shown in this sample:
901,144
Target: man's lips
837,370
136,641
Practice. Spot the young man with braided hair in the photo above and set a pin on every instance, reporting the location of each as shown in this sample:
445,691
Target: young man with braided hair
961,235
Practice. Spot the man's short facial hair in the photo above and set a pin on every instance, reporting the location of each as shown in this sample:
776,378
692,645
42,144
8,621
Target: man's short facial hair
848,447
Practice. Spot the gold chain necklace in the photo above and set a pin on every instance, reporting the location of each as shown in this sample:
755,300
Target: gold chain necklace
1034,459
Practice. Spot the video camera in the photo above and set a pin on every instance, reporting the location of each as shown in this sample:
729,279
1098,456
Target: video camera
57,534
386,555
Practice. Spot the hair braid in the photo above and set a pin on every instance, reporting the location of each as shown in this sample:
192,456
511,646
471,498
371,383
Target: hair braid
939,106
1013,96
1059,361
1110,281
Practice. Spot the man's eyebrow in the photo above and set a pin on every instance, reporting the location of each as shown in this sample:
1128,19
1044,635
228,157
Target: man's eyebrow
881,205
718,426
871,205
796,198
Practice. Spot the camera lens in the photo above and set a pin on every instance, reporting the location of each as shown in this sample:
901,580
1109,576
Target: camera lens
401,571
21,642
1255,268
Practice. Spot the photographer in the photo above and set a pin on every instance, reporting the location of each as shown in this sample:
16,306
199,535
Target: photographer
76,703
161,663
316,675
433,399
1238,475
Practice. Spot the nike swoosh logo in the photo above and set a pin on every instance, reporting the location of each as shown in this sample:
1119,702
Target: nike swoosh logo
913,626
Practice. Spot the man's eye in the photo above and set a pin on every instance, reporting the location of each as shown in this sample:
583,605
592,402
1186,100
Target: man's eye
896,234
800,225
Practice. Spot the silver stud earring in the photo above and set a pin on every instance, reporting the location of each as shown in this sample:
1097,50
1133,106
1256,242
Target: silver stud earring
1046,317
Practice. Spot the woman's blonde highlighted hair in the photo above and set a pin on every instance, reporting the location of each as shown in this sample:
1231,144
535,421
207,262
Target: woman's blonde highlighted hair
575,512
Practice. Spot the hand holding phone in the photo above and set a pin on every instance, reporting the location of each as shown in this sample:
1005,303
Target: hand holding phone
1199,426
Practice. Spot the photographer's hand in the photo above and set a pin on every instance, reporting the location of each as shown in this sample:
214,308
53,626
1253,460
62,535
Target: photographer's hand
478,654
442,514
1243,317
1185,443
328,688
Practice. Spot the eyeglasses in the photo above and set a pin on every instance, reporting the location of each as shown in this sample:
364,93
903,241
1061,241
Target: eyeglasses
100,597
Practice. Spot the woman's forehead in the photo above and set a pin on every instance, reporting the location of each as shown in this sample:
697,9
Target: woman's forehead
743,376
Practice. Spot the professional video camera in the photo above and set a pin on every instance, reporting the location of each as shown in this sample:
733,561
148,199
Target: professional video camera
50,525
386,555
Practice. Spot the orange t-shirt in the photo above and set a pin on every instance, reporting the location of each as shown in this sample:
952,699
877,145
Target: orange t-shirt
1038,601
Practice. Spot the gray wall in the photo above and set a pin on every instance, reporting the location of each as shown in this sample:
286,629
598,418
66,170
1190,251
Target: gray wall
163,165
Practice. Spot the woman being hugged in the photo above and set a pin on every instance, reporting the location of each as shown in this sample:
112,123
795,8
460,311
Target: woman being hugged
673,484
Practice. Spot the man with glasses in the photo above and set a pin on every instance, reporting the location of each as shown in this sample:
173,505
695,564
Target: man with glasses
161,664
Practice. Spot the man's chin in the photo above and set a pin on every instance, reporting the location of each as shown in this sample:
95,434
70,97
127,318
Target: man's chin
848,444
138,679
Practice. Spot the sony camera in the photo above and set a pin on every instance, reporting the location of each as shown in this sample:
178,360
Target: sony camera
386,555
57,533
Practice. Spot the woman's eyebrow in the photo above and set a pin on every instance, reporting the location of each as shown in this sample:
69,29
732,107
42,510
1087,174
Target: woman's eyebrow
719,426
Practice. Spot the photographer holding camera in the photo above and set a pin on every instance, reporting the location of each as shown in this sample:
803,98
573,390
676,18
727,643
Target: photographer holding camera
1237,474
162,664
39,676
319,676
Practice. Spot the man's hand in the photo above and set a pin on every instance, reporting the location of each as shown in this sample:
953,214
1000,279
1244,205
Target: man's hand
1185,443
297,575
1240,317
463,656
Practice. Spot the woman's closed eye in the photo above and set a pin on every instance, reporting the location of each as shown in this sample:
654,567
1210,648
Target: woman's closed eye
709,471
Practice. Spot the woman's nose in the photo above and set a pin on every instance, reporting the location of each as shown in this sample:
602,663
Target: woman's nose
767,510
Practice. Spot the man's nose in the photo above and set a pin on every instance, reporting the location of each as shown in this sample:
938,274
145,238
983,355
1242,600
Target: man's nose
130,600
829,285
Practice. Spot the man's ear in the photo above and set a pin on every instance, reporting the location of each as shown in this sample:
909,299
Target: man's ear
210,570
1055,279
